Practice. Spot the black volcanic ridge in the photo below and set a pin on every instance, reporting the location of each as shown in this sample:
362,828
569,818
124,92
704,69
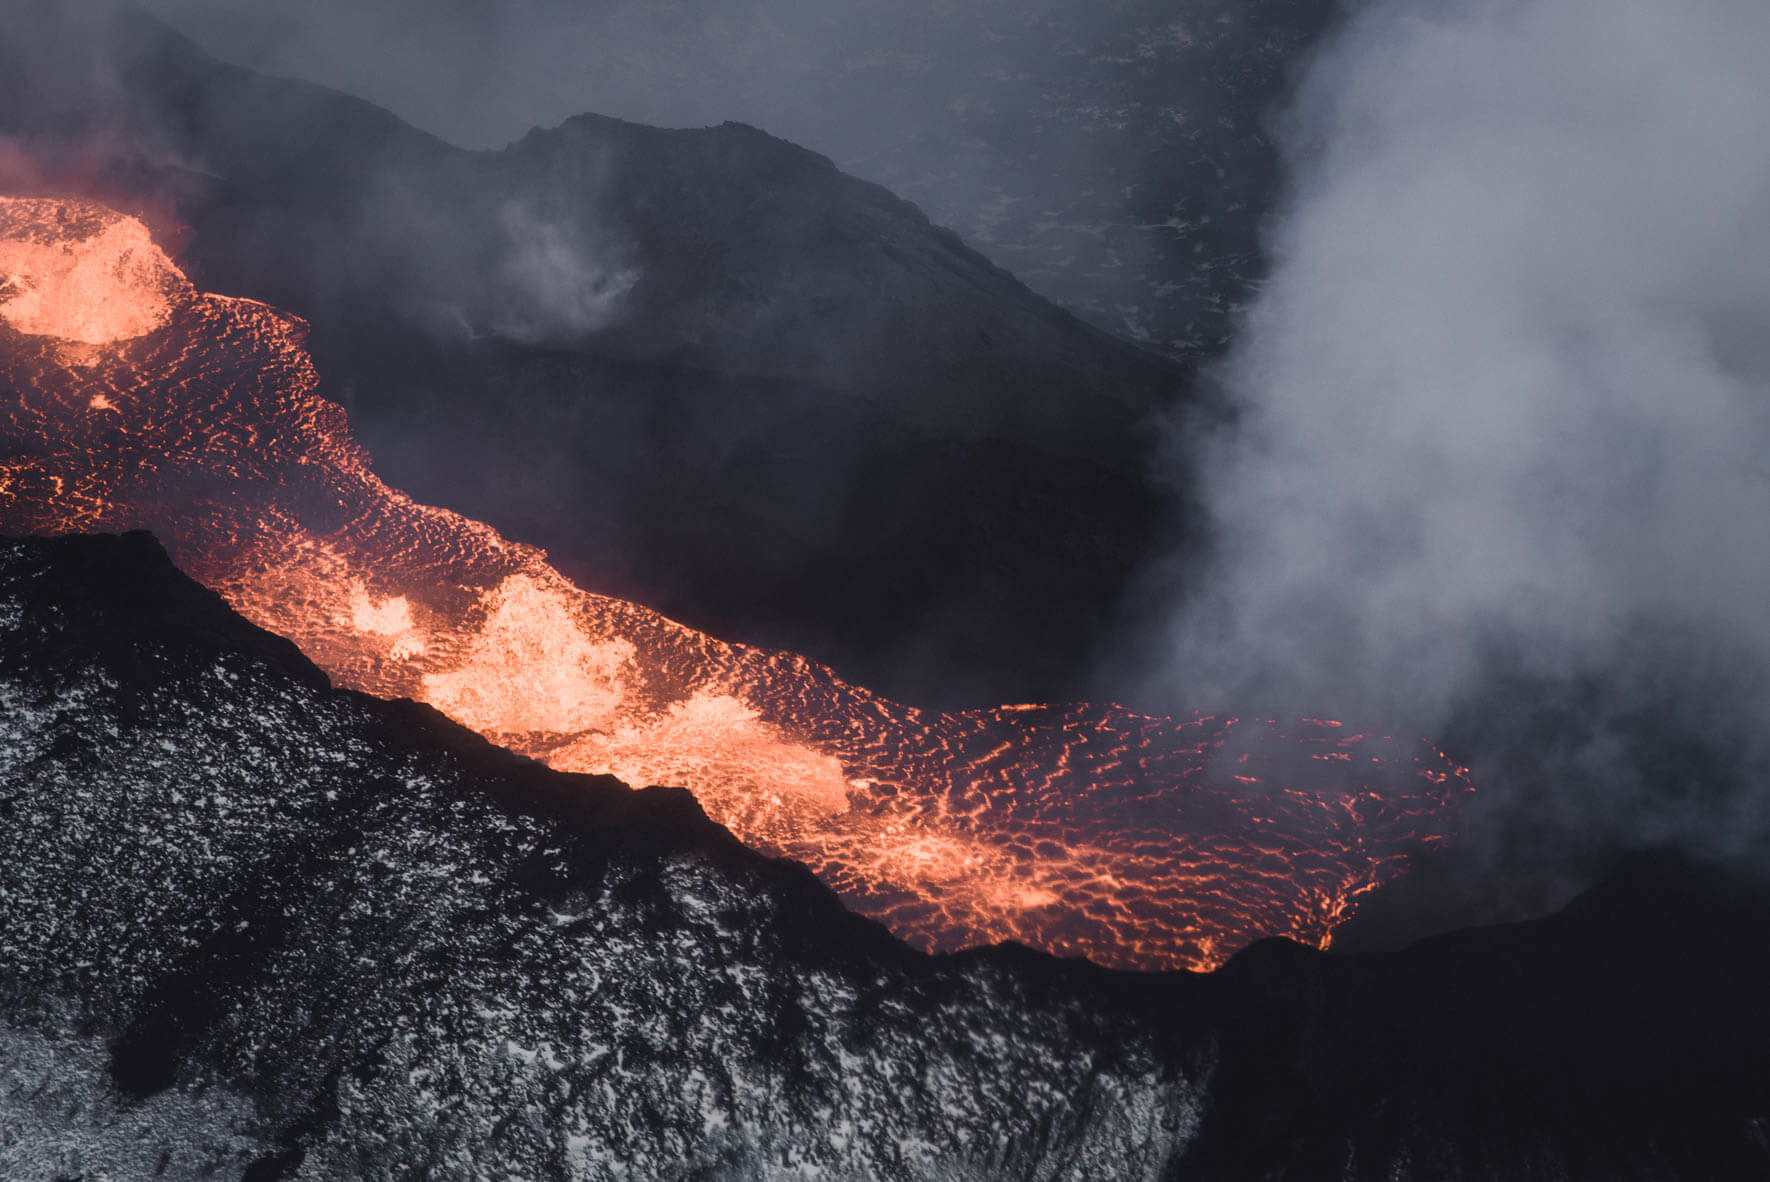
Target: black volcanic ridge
254,927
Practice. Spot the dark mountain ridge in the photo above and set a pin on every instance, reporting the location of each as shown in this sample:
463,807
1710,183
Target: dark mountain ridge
256,927
1114,156
704,368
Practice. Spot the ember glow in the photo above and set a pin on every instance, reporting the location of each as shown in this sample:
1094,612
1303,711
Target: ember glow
77,274
134,402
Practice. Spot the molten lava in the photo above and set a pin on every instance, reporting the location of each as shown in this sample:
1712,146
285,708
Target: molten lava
134,401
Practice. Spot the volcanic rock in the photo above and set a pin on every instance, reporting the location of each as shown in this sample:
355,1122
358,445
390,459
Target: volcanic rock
703,368
256,927
322,936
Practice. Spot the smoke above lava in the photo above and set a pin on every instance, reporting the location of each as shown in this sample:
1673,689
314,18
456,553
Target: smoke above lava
1497,466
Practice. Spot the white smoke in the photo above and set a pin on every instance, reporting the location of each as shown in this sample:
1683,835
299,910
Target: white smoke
558,282
1509,381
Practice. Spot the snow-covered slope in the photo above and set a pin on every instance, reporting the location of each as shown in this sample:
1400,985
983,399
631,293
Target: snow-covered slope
254,927
350,938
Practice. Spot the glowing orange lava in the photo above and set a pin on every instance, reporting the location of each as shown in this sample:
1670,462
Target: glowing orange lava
133,401
73,272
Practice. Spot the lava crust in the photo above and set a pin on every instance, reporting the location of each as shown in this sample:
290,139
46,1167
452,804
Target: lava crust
1138,841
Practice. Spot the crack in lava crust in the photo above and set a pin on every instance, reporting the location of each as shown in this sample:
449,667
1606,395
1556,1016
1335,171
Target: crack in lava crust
1139,841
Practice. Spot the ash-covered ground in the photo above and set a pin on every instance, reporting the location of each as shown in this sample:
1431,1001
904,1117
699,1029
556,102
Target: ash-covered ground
256,927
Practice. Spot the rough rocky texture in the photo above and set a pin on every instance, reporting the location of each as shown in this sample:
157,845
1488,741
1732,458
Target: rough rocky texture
419,956
254,927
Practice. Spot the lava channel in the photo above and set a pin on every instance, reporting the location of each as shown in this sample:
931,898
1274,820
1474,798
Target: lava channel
133,401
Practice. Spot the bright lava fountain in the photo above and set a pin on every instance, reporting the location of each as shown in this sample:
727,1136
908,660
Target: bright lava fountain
133,401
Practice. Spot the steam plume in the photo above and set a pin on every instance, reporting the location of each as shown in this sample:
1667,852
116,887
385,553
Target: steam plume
1504,404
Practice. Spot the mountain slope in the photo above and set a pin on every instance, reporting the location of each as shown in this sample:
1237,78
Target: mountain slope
1114,156
256,927
413,954
704,368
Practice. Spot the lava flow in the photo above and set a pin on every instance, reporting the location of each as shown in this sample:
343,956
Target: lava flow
132,401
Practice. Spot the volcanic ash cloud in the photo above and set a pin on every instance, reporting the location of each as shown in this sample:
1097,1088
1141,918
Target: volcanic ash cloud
1508,382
